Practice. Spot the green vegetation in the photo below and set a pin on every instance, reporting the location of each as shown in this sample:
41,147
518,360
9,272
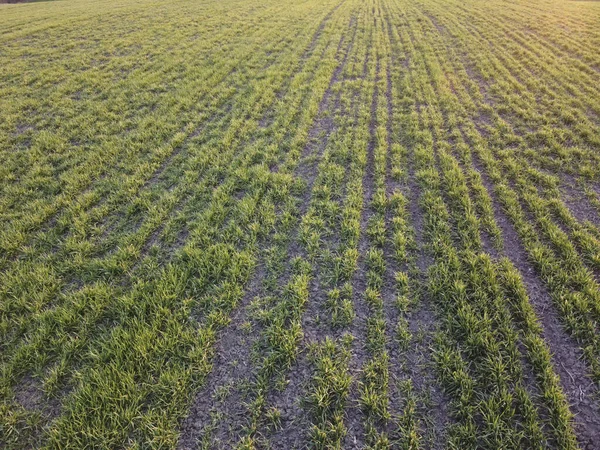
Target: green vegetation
339,224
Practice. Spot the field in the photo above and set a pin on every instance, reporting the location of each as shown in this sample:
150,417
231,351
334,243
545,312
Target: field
312,224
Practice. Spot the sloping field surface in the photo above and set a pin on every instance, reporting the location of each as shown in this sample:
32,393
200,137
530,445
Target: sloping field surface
300,224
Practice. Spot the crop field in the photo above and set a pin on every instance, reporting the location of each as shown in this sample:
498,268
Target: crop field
328,224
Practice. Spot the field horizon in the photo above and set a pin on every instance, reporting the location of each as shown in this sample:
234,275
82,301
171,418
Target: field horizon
336,224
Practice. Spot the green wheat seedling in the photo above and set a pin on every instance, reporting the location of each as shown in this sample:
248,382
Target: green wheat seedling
342,188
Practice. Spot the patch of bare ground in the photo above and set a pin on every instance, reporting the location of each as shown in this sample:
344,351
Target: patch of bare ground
221,401
582,393
219,411
29,395
354,417
295,423
576,200
487,244
416,362
219,416
433,405
292,431
388,290
23,128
